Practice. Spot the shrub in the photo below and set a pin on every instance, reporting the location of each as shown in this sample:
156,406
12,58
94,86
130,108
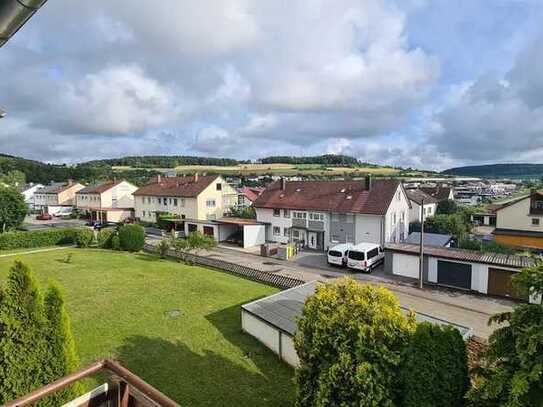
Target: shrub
104,238
131,238
37,238
84,238
13,208
434,368
349,341
163,247
115,242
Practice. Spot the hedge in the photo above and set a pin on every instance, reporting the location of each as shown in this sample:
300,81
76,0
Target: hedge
37,238
104,238
84,238
131,238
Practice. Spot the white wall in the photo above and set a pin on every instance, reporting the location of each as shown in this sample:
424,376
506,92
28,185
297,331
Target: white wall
265,215
368,229
225,230
399,206
265,333
254,235
516,216
405,265
288,353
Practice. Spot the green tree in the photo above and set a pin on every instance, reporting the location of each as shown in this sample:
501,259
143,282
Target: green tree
434,368
193,243
63,358
14,178
23,348
447,207
84,238
244,213
511,372
349,341
13,208
131,237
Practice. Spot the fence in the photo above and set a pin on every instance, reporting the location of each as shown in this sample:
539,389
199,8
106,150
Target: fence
249,273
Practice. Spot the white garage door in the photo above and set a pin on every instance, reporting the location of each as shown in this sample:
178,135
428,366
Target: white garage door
405,265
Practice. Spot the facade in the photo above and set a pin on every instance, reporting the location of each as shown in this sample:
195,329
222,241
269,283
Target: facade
110,201
519,223
56,194
197,201
320,214
28,192
417,199
247,195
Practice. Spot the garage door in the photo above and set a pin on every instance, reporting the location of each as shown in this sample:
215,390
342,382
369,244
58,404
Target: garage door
454,274
499,283
405,265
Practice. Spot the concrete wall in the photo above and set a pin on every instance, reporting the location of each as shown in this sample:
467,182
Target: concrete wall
254,235
516,216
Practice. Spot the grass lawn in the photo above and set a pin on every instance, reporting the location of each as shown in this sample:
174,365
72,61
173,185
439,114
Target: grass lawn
120,304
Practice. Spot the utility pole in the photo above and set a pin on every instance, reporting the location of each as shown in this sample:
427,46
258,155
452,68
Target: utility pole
421,259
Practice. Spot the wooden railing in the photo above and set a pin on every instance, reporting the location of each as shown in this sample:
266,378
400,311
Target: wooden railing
125,389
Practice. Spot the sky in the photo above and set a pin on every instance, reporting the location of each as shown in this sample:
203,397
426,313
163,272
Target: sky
428,84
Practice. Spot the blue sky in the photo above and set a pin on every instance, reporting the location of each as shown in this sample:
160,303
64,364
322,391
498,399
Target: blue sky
422,83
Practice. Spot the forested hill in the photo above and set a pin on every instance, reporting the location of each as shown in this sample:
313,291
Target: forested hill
326,159
164,161
498,170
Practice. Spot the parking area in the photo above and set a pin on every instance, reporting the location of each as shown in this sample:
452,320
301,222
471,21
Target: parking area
31,223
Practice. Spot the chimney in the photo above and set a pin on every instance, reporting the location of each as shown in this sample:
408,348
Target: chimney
283,183
158,179
367,182
196,177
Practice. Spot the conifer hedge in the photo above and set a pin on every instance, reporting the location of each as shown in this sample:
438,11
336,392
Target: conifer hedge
131,237
37,238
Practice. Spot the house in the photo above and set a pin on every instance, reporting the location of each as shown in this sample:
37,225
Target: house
56,197
247,195
273,320
28,192
110,201
320,214
419,198
439,192
430,239
197,203
519,222
484,273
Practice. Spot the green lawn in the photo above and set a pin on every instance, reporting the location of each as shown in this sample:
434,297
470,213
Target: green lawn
119,305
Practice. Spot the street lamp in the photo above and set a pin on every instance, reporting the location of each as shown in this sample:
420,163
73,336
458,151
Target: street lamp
14,14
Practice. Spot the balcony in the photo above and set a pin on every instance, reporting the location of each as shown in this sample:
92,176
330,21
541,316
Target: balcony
299,223
123,389
315,225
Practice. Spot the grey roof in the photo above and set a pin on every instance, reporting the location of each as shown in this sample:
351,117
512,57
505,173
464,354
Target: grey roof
53,188
430,239
497,259
282,309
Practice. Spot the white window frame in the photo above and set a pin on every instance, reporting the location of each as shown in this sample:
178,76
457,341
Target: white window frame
211,203
277,231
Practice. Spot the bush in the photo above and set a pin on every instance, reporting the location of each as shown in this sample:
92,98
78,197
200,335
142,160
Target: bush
37,238
13,208
84,238
131,238
434,368
115,242
104,238
163,247
349,341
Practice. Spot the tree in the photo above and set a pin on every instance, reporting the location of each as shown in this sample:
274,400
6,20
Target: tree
244,213
13,208
194,242
511,372
447,207
63,358
23,348
132,237
13,178
434,368
349,341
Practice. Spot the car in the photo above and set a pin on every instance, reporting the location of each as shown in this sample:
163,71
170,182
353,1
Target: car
103,225
365,257
337,255
44,216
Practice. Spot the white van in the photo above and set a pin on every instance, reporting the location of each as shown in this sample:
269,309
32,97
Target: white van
365,256
337,255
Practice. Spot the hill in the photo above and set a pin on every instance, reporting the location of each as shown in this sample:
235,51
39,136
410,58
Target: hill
523,170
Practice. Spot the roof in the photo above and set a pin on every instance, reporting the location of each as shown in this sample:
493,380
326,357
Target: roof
522,198
281,310
251,193
438,192
188,187
99,188
417,196
239,221
333,196
516,232
341,246
55,188
364,246
497,259
430,239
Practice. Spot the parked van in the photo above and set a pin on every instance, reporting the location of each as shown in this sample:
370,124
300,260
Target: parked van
337,255
365,256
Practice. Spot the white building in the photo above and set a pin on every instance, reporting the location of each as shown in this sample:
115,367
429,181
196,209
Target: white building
320,214
28,192
417,199
110,201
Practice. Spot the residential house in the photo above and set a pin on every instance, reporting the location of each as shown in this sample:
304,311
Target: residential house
110,201
519,222
320,214
247,195
418,198
28,192
56,197
197,201
439,192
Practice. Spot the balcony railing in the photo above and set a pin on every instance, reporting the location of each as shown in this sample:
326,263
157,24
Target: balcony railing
125,389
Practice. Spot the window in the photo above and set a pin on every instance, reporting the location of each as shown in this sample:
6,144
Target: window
394,218
399,196
276,231
210,203
276,212
165,202
356,255
286,232
219,186
372,253
159,201
299,215
174,201
535,221
295,233
143,213
316,216
539,204
148,200
286,213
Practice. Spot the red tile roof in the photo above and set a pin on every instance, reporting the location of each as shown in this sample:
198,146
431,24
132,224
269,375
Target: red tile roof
440,193
335,196
98,189
187,187
416,195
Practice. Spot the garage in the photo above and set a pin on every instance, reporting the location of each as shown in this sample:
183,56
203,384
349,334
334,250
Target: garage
454,274
405,265
500,283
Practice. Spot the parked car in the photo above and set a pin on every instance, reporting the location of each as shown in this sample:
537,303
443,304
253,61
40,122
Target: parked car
44,216
337,255
365,257
103,225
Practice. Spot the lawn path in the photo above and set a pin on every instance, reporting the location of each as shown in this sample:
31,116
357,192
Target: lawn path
50,249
